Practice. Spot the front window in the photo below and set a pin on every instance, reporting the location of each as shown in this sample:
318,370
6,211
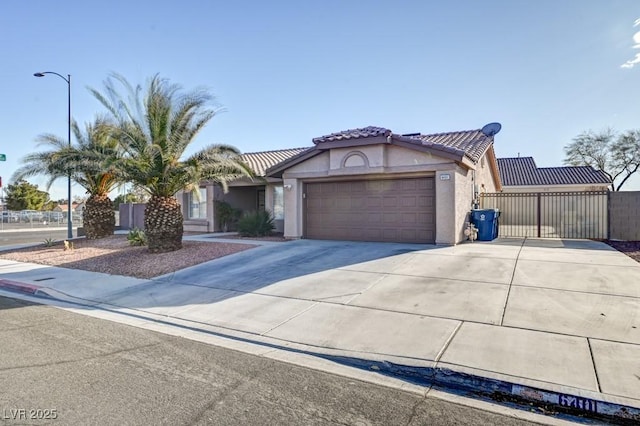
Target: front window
278,202
198,204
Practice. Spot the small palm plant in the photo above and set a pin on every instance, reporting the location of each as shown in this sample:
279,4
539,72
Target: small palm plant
49,242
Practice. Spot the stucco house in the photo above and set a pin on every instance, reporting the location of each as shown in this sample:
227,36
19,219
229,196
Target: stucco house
61,211
75,207
522,175
375,185
365,184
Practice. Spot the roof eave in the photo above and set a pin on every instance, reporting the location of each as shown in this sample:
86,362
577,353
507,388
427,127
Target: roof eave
493,164
439,150
553,184
277,170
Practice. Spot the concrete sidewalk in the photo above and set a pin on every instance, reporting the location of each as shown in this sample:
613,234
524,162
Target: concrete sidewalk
552,321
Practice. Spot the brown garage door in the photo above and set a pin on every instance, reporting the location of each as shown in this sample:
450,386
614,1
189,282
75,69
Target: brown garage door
394,210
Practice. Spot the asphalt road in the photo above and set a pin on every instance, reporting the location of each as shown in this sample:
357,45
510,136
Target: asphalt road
25,235
72,369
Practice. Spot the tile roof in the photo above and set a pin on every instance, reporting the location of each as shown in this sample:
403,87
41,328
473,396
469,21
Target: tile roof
472,143
522,171
261,161
65,207
469,143
364,132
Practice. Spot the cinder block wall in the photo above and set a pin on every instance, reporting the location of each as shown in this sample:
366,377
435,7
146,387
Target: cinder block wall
132,215
624,215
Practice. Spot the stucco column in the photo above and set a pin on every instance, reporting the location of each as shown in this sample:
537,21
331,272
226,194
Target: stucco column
465,193
292,208
445,207
268,198
211,210
180,196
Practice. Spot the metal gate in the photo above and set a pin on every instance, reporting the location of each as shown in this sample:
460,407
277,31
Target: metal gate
581,215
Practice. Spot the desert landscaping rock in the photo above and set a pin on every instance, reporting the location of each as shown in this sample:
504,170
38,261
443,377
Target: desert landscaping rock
630,248
113,255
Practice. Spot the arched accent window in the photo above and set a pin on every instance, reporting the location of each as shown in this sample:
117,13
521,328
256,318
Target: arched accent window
355,159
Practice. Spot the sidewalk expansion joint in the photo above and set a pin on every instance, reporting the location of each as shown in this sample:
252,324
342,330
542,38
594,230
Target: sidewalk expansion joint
360,293
513,274
447,343
394,274
626,296
595,369
290,318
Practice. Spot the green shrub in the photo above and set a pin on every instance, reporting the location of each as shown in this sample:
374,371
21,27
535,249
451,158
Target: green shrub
227,215
137,237
256,224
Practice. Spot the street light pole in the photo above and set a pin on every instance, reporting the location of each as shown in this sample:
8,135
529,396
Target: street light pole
68,81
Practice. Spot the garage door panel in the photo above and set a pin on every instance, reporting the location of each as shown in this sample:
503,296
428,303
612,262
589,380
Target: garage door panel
374,202
390,219
400,210
409,185
359,203
409,201
358,187
425,201
374,186
390,201
410,219
343,203
374,218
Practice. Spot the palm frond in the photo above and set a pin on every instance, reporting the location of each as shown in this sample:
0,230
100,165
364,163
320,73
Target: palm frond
154,128
91,161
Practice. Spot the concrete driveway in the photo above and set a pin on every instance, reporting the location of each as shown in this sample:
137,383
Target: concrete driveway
552,311
562,315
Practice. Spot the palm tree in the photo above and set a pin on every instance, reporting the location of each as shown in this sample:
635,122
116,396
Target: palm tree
154,128
90,163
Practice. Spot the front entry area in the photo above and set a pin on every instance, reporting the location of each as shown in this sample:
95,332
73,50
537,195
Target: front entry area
385,210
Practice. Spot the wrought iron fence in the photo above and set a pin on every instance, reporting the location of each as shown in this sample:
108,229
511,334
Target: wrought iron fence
582,215
36,218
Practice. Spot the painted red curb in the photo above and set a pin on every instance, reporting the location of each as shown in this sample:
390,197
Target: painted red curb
18,286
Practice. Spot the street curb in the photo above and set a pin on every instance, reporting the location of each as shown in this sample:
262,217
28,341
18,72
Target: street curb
40,291
551,403
500,391
19,287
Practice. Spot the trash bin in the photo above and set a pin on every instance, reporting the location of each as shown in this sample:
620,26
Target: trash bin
486,220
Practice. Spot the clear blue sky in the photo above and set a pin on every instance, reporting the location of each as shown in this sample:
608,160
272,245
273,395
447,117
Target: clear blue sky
288,71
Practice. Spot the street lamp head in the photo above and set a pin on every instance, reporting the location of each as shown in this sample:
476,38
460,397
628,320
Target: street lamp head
38,74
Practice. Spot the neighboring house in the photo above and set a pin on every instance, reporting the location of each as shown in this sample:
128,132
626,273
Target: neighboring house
75,208
365,184
550,201
522,175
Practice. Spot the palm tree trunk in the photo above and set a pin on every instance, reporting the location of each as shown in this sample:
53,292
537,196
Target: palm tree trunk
98,217
163,224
